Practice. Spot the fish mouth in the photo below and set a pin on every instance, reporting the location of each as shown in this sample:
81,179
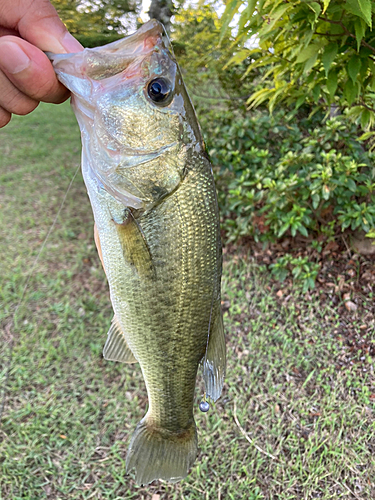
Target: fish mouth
108,60
117,57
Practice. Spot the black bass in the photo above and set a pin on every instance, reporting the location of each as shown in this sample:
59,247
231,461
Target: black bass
157,231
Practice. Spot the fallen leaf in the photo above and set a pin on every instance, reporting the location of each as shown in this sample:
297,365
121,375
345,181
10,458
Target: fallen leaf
63,436
341,283
331,247
350,306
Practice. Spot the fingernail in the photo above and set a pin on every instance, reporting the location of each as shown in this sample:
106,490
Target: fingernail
70,44
12,58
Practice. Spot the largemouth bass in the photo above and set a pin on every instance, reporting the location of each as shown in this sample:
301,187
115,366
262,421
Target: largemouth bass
157,231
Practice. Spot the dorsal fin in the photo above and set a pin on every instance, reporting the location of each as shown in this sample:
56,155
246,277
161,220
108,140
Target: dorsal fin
116,348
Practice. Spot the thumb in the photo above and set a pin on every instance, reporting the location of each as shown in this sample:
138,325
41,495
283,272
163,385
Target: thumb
38,22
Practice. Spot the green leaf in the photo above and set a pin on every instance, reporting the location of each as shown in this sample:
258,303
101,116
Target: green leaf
310,63
332,82
259,97
247,13
283,229
300,101
316,8
360,30
272,100
366,136
350,91
239,57
275,16
230,11
365,6
325,192
351,185
326,5
316,92
365,118
360,8
307,53
315,200
329,54
355,112
354,66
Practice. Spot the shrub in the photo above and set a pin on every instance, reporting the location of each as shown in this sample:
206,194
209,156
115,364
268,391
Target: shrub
281,174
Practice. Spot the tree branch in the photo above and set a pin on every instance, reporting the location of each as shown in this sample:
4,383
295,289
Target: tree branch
363,104
329,34
346,31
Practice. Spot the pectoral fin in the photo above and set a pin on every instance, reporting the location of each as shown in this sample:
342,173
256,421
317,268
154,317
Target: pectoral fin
98,246
134,245
215,359
116,348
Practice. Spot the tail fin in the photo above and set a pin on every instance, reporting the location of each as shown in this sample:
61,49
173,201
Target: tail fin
157,453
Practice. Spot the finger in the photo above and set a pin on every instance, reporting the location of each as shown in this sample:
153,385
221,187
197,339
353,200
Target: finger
30,71
13,100
7,31
5,117
38,22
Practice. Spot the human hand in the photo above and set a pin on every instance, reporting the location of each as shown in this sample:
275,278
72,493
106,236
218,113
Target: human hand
27,28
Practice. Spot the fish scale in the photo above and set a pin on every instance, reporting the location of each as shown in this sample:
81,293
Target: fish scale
189,330
152,192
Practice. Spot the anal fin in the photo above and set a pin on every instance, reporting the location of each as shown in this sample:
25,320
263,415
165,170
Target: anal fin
116,348
214,361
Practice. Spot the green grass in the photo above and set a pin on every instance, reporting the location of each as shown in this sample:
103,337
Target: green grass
292,422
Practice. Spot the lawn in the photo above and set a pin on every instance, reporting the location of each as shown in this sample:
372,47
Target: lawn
294,421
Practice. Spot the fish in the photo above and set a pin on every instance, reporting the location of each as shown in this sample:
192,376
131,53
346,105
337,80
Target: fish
157,231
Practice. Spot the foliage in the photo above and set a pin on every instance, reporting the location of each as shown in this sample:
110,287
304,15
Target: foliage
303,271
97,39
281,174
278,176
195,35
317,52
96,18
197,30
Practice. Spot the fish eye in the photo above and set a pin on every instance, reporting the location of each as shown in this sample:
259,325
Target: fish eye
159,91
